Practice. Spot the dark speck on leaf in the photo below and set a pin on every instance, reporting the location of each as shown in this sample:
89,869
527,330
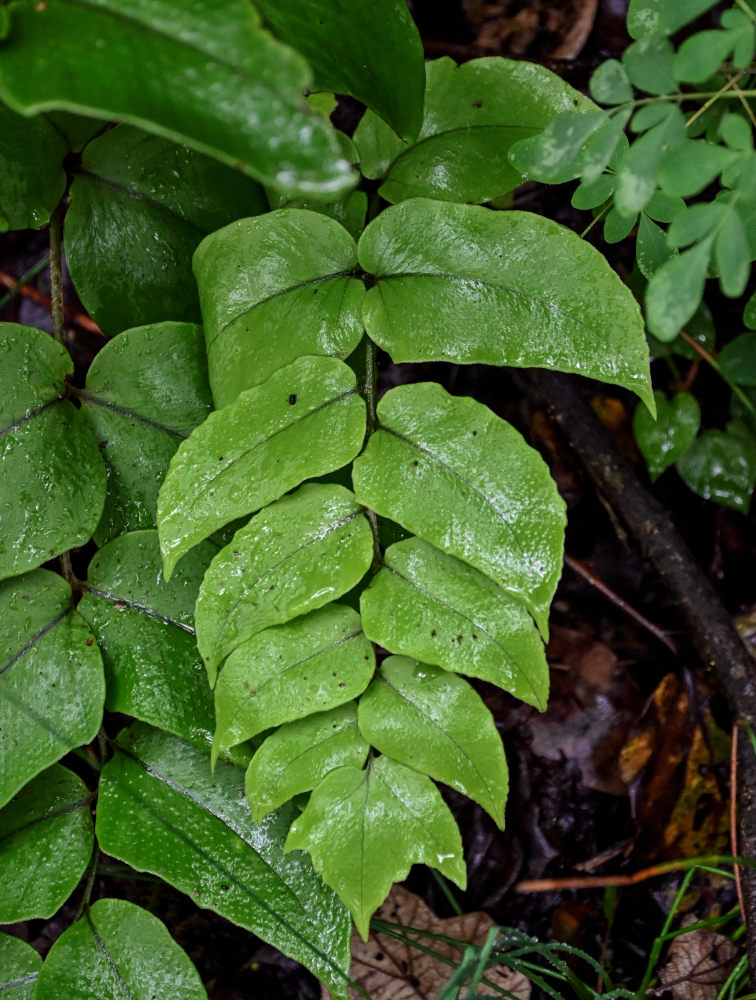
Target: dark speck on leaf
477,104
433,632
90,641
343,684
292,399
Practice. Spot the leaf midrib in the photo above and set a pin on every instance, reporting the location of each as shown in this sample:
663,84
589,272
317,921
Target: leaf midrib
136,606
30,415
124,411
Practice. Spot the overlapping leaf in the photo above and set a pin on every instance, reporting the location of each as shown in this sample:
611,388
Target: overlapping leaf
667,439
439,610
19,967
435,466
145,629
273,289
382,68
51,681
313,664
46,840
161,811
365,830
296,555
304,421
461,283
473,115
54,477
32,180
434,722
216,81
146,391
139,206
296,756
118,949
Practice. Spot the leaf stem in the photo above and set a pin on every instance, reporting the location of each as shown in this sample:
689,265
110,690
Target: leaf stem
89,884
24,279
371,385
710,360
56,277
705,107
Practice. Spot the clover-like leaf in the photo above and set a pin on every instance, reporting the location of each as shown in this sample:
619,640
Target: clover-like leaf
32,179
465,284
139,206
272,289
721,466
160,810
431,606
146,391
474,113
51,682
305,420
217,81
19,968
449,470
298,755
298,554
434,722
365,830
145,630
738,359
667,439
125,950
46,841
53,472
313,664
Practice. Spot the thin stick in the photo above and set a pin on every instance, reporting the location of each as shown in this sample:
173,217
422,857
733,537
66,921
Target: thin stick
33,271
605,881
715,97
34,295
733,815
56,277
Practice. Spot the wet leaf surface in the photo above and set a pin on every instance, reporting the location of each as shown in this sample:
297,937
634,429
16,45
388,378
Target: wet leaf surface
19,967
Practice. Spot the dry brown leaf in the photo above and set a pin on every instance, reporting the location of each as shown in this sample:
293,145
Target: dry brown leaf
697,965
390,970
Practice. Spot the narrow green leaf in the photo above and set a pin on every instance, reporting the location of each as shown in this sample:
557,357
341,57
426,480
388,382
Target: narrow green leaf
695,223
365,830
48,505
19,966
139,206
273,289
637,168
605,146
609,84
146,391
592,195
464,284
435,723
304,421
737,360
145,630
651,247
300,553
313,664
555,156
665,440
690,165
216,81
674,292
732,255
117,950
617,226
297,756
160,810
435,608
644,17
51,682
474,113
721,467
648,63
46,841
382,68
32,179
449,470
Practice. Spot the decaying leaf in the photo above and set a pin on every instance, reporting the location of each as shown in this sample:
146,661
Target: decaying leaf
697,965
390,970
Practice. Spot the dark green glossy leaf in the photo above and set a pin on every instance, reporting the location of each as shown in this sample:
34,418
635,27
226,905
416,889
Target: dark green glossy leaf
738,360
145,630
146,391
365,829
721,466
644,17
216,81
117,950
667,439
160,810
461,283
46,840
304,421
313,664
32,180
297,756
675,290
350,212
434,722
449,470
139,206
53,474
300,553
371,50
435,608
51,682
19,966
272,290
474,113
749,313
